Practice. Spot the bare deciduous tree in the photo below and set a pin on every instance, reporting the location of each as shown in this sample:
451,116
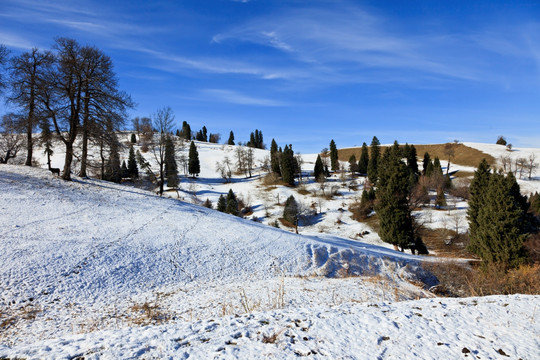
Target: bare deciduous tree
163,121
27,77
224,169
506,162
532,165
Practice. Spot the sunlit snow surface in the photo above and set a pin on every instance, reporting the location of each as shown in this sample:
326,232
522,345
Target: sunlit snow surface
100,270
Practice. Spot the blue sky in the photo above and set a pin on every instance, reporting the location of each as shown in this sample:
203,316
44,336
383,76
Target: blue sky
305,72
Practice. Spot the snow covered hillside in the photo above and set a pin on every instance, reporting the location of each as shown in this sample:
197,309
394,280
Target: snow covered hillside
100,270
85,255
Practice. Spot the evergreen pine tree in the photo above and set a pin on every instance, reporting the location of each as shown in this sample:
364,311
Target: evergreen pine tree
207,203
251,142
222,204
477,190
373,164
113,171
275,158
287,165
437,169
425,164
124,170
429,169
334,162
260,142
194,166
204,133
133,171
392,200
318,171
499,232
353,165
231,139
232,204
412,161
364,160
534,200
290,211
186,131
171,168
133,138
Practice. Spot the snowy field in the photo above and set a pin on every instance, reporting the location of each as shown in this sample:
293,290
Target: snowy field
100,270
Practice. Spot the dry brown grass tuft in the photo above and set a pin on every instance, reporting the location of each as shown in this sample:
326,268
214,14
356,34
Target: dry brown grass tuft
463,155
148,314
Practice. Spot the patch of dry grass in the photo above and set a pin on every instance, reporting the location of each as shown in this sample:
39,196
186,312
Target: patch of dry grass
446,243
463,280
463,155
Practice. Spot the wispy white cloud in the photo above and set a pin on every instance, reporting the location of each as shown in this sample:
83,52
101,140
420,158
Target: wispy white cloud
234,97
350,41
15,41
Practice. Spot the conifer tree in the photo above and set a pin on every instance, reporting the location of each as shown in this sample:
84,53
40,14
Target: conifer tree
186,131
133,170
205,134
429,169
353,165
232,204
318,171
275,158
287,165
260,142
425,163
412,161
334,162
364,160
373,164
222,204
194,166
133,139
290,211
171,168
477,190
534,200
231,139
113,171
437,169
499,230
124,170
392,200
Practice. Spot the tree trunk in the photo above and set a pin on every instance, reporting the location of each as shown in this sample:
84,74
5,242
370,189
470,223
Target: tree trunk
29,145
67,164
84,154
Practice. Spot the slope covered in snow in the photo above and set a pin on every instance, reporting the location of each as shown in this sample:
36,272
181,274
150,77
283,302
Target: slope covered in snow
89,254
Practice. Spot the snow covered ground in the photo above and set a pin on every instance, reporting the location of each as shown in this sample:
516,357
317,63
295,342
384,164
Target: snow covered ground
95,269
85,255
494,327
